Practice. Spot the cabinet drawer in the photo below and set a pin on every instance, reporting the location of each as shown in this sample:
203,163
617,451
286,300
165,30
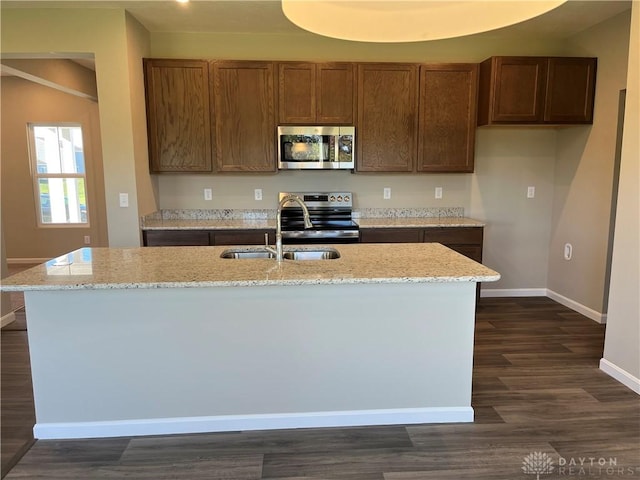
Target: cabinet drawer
454,235
241,237
391,235
165,238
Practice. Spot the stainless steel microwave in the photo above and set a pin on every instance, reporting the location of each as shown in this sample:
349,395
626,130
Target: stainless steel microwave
317,148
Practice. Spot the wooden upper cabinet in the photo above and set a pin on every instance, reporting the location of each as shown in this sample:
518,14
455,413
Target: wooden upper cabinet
245,128
315,93
448,99
178,116
536,90
335,93
386,129
570,90
512,90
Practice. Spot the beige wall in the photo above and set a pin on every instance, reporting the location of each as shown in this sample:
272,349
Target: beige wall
60,73
138,48
102,32
508,161
584,172
24,102
622,341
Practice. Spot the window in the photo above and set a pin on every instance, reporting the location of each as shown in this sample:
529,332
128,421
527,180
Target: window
58,169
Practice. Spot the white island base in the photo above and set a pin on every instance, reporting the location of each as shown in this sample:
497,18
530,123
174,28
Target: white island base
124,362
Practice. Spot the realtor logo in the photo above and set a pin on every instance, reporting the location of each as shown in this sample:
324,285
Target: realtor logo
537,463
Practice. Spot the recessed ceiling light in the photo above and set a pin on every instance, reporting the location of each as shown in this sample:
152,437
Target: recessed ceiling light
182,1
389,21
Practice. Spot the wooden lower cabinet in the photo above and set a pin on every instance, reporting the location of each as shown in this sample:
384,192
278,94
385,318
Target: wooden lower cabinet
170,238
464,240
241,237
166,238
391,235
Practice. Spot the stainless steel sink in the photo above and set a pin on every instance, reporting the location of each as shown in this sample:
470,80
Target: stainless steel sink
233,253
325,253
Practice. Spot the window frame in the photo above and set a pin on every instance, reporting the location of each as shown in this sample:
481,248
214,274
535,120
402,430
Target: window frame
37,176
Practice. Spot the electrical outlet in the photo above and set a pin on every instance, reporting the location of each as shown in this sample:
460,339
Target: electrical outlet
257,194
87,240
386,193
124,199
531,192
208,194
568,251
438,192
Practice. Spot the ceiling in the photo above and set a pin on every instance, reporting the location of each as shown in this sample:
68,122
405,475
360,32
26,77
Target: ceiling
266,17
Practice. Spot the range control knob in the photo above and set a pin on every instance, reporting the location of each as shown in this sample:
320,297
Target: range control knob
339,198
332,198
346,198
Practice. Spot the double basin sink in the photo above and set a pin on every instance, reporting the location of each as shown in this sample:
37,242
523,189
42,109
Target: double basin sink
325,253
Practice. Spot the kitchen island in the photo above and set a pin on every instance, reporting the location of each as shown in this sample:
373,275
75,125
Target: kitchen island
147,341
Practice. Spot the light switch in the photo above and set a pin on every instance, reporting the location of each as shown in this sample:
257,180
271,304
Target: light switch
531,192
124,199
208,194
438,192
386,193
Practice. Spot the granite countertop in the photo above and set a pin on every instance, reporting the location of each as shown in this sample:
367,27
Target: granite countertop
418,222
248,224
208,224
189,267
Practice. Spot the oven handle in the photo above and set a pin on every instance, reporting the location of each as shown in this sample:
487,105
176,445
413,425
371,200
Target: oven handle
321,234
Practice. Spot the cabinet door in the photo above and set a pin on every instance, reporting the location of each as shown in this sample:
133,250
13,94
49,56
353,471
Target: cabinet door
387,117
516,89
570,90
390,235
448,100
335,93
178,116
245,116
297,93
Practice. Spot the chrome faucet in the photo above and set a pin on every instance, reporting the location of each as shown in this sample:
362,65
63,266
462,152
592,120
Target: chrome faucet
278,252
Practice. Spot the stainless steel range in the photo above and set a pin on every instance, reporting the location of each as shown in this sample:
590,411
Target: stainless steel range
330,213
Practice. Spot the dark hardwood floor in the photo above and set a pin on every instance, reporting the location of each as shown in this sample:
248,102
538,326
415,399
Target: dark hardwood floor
536,389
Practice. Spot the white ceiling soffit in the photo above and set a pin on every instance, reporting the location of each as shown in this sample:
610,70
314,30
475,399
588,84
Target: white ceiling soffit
386,21
267,17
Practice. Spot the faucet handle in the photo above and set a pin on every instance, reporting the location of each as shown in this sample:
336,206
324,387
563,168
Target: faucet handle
266,239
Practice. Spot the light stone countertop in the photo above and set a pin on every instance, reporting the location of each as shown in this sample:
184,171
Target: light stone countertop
248,224
191,267
418,222
208,224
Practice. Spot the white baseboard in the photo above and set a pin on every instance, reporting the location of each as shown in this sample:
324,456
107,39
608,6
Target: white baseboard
26,261
513,292
545,292
228,423
620,375
7,319
578,307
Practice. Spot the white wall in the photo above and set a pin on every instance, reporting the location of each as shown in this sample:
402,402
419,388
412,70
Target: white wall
622,340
